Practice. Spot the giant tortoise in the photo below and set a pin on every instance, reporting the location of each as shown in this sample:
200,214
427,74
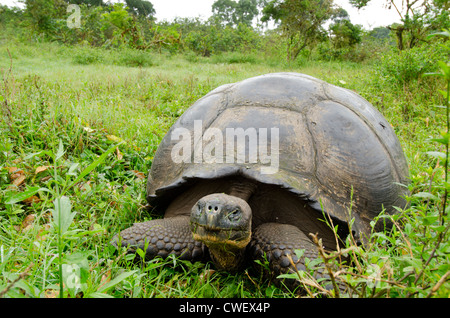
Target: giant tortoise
252,168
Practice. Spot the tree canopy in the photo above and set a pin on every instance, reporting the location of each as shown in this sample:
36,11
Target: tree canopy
231,13
343,32
140,8
300,20
301,27
92,3
418,19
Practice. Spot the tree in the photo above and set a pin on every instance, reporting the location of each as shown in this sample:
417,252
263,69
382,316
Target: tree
231,13
380,33
42,13
300,21
343,32
439,15
89,3
246,11
141,8
419,18
123,27
223,10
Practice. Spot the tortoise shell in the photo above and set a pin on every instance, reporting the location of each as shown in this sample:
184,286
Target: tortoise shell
329,147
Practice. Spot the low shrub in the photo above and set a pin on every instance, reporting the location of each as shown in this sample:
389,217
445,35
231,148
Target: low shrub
86,56
402,67
135,58
234,58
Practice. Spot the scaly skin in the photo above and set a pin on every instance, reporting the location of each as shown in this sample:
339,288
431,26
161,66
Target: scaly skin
163,237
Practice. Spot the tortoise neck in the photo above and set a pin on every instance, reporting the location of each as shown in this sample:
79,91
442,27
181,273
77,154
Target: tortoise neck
226,259
242,189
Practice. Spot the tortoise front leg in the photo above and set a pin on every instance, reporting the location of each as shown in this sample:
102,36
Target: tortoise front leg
162,237
275,242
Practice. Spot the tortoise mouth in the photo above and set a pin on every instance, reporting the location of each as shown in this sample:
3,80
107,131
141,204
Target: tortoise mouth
213,236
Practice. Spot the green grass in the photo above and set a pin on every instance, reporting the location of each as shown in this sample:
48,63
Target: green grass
63,107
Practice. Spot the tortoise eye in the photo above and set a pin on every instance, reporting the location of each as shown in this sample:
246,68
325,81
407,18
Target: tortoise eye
234,215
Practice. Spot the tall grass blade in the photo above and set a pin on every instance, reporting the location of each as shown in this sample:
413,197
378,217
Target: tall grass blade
92,166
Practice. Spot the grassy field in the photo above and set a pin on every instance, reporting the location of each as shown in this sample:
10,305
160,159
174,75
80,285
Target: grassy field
66,109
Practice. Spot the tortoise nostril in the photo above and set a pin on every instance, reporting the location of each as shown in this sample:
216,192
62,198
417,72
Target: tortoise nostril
212,208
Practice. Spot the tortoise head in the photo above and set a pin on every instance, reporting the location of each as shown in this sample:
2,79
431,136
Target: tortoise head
223,223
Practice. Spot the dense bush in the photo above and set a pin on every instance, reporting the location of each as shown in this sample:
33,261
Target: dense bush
122,57
114,26
402,67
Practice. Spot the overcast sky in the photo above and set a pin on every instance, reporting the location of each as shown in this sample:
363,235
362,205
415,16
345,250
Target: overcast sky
372,16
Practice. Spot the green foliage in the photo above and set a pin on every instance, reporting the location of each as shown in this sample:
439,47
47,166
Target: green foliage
90,3
44,13
235,58
230,29
232,13
121,27
135,58
444,139
345,34
380,33
439,15
141,8
85,56
402,67
167,36
419,19
9,15
301,22
212,38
